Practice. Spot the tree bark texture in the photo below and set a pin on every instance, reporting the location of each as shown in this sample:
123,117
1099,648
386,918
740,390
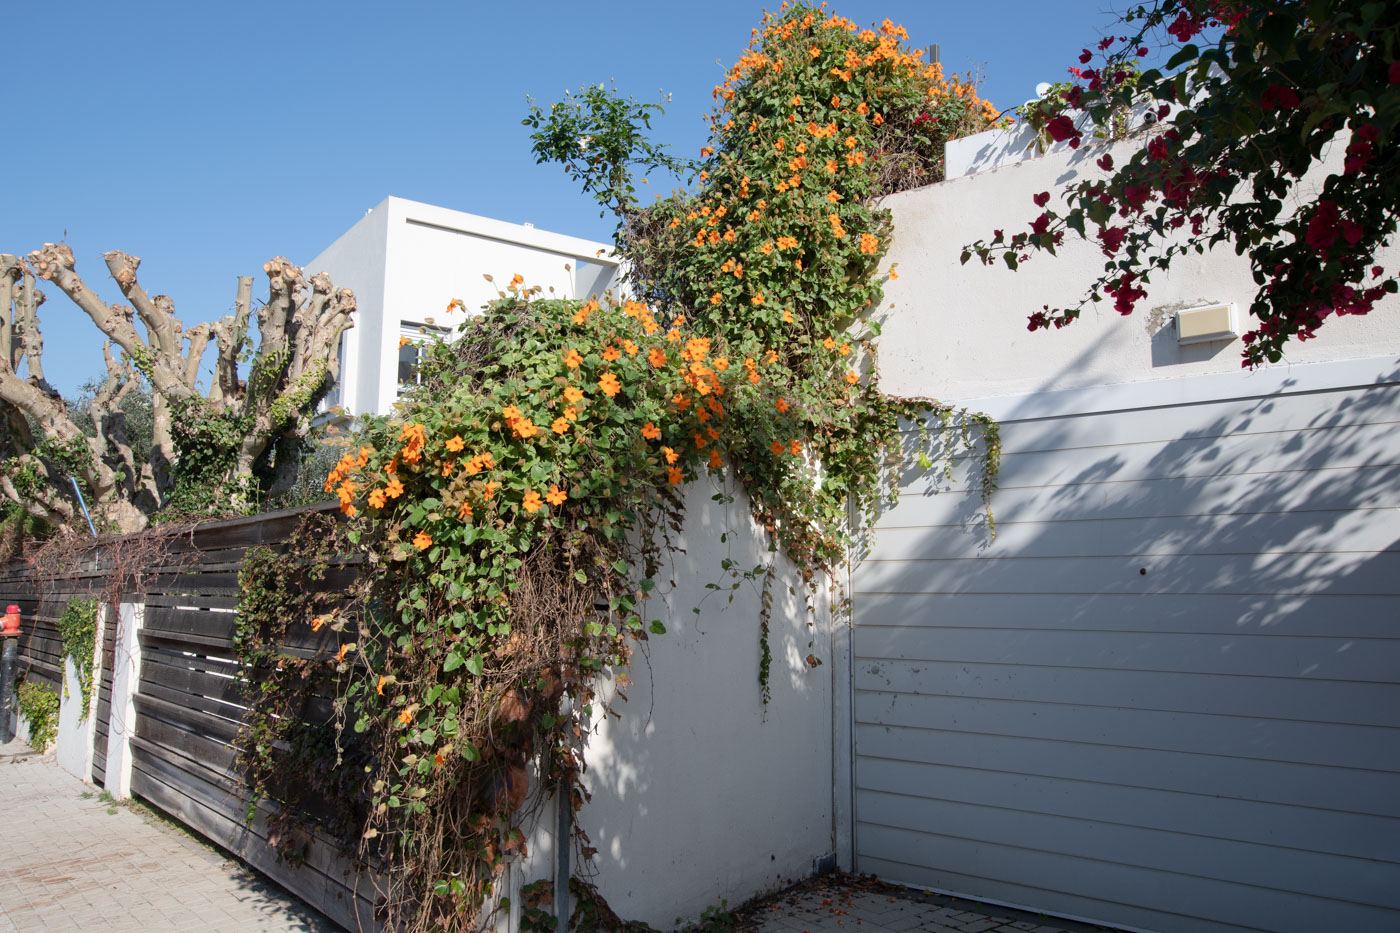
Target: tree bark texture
295,363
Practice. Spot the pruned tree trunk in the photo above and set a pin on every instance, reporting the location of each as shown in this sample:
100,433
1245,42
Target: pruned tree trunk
257,426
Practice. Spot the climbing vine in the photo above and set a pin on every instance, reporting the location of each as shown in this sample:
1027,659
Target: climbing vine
512,517
77,628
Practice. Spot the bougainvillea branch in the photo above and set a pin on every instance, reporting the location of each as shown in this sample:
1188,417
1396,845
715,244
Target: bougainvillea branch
1257,96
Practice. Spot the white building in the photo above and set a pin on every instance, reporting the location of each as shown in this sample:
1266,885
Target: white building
406,261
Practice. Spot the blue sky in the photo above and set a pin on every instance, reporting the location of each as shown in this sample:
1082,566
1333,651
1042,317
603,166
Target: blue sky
208,137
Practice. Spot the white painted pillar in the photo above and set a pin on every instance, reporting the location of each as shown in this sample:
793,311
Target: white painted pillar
126,673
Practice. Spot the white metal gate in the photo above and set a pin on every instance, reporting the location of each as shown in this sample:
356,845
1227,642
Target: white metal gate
1167,695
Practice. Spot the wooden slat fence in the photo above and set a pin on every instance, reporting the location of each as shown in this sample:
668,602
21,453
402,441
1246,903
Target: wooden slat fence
190,704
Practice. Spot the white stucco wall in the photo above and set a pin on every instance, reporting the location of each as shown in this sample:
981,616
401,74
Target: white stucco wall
958,332
701,795
356,261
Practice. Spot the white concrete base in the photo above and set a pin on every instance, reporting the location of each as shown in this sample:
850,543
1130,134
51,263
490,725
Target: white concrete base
126,671
73,746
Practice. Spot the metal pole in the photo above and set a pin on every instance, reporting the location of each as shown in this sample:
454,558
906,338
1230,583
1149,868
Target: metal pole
562,871
8,721
83,503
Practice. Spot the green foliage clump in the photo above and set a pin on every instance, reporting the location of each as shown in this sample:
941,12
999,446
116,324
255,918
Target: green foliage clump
39,707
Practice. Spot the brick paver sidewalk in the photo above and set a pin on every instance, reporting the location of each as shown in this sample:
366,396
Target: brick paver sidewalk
70,864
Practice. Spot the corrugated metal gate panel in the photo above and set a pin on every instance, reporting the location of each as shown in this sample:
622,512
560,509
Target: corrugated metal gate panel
1167,696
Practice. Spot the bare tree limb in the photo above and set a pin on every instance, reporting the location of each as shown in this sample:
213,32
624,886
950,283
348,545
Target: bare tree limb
55,263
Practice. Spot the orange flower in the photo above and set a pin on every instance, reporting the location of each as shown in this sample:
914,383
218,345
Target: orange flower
787,317
756,300
556,496
657,357
721,363
782,405
489,490
869,244
673,476
560,425
796,101
456,443
340,655
670,455
831,166
422,541
829,343
650,431
394,489
771,356
531,502
630,347
405,717
379,687
404,341
852,378
795,447
844,349
833,196
778,448
524,427
516,280
862,108
609,385
317,622
376,498
877,120
611,353
465,512
572,394
893,273
716,298
572,359
571,412
716,461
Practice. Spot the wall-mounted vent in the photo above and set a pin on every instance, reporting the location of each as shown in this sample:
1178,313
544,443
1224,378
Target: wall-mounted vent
1207,323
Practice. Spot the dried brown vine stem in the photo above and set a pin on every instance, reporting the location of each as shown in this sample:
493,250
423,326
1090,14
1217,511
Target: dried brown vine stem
265,418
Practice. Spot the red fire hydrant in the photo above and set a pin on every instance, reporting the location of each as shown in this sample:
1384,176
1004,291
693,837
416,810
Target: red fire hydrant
10,621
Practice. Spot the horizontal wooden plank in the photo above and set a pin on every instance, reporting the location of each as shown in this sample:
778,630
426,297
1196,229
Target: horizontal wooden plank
203,705
1339,880
1344,834
196,746
203,602
1365,574
1371,660
1262,697
1364,747
175,655
1329,615
186,717
186,681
